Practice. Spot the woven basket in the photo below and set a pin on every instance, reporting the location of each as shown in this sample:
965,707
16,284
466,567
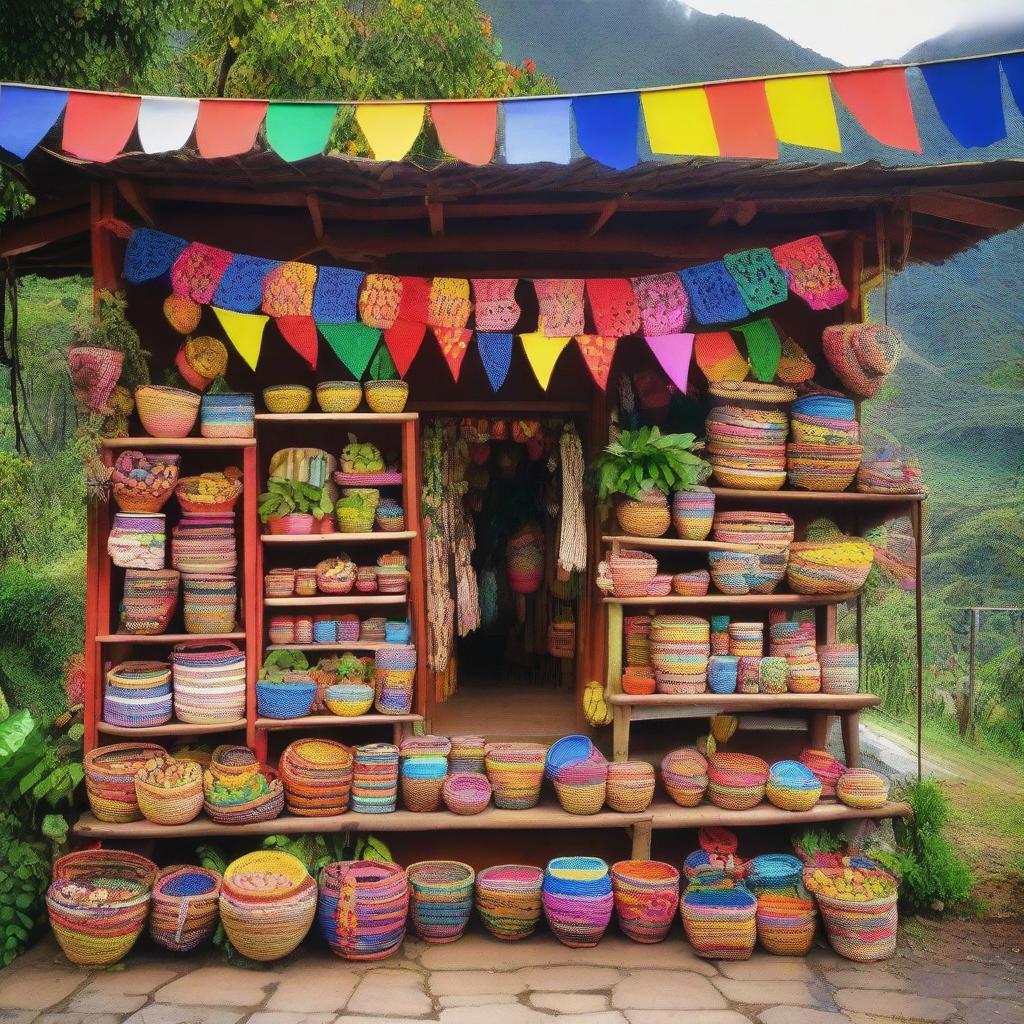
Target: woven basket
348,699
515,771
143,481
632,572
440,899
466,793
508,898
287,398
238,769
825,767
267,923
786,924
175,806
138,694
363,908
185,487
832,567
862,788
339,395
104,930
736,782
317,777
585,798
285,700
94,373
720,921
684,774
386,395
185,908
644,519
354,518
577,899
209,682
110,779
646,898
166,412
693,513
860,930
792,786
630,786
421,780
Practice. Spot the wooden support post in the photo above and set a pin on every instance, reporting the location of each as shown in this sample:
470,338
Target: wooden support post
101,241
917,523
620,732
967,721
818,729
641,836
252,603
412,471
849,723
93,654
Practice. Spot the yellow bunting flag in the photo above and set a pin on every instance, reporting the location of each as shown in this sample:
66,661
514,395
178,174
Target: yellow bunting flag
542,353
679,122
244,331
803,111
390,128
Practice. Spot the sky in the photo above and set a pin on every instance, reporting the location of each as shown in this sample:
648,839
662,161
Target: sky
864,31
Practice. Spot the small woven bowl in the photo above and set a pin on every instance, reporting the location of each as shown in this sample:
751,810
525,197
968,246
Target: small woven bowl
287,398
466,793
386,395
339,395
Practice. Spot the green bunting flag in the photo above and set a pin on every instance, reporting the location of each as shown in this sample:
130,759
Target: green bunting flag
353,344
298,130
382,366
764,347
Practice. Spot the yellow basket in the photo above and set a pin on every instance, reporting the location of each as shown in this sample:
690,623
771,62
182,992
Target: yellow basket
287,398
176,806
339,395
386,395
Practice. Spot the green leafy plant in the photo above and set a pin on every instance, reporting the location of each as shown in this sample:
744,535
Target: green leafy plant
284,497
277,665
646,459
818,840
111,329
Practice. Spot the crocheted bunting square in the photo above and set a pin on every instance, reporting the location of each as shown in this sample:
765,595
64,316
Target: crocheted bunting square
241,287
454,343
561,306
795,366
495,350
811,272
288,290
664,305
300,333
758,277
613,305
718,357
495,306
378,300
598,352
336,296
198,270
449,304
403,339
353,344
150,254
414,304
714,297
764,347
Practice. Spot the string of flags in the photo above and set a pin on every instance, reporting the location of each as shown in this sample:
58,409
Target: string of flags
744,118
353,311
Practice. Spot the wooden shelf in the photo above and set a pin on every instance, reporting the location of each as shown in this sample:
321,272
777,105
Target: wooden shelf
380,537
676,544
337,599
666,814
336,417
170,729
331,721
727,703
769,600
358,645
166,638
819,497
170,443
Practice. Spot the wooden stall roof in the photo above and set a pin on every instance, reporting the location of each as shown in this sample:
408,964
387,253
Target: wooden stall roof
428,216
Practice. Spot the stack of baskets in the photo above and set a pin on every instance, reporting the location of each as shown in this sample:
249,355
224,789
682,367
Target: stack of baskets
238,790
747,446
394,673
209,683
860,925
467,754
424,768
825,451
720,918
773,872
466,793
150,598
736,782
392,573
680,648
746,639
578,900
524,560
719,634
630,786
693,512
267,904
795,641
363,908
137,540
375,778
98,901
579,772
440,899
636,631
631,573
792,786
317,777
204,544
209,602
826,769
684,773
786,916
226,415
833,566
646,894
862,788
771,530
138,694
515,771
840,668
110,779
508,897
185,907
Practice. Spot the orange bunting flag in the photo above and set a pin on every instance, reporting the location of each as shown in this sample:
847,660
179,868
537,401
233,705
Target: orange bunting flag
880,102
598,352
743,122
228,127
466,131
454,342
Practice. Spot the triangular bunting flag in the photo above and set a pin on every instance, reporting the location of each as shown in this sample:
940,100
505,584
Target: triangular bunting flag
403,339
454,342
353,344
97,125
298,130
166,122
598,352
300,333
764,347
466,131
26,115
390,128
244,331
382,366
719,358
542,353
673,351
495,348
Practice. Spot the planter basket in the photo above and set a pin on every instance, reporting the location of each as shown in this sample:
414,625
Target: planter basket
143,481
644,518
185,907
110,779
720,921
861,930
440,899
646,898
254,792
363,908
94,374
508,898
175,806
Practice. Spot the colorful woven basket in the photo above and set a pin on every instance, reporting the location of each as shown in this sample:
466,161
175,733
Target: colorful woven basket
287,398
840,668
632,572
363,908
440,899
226,415
375,778
348,699
786,924
185,909
858,929
238,790
648,516
110,779
150,598
317,777
166,412
466,793
829,567
774,872
684,773
792,786
209,682
422,780
630,786
267,904
720,920
825,767
170,805
863,788
292,699
693,512
736,782
722,673
138,694
578,900
138,540
466,754
339,395
646,898
209,603
515,771
508,898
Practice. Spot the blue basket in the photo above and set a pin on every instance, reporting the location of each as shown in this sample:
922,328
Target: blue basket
397,632
567,750
734,896
722,673
775,871
425,767
793,775
284,700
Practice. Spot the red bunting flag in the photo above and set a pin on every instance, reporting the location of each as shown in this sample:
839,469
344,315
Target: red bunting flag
403,339
228,127
598,352
300,333
454,343
614,307
466,131
880,101
414,305
743,120
97,125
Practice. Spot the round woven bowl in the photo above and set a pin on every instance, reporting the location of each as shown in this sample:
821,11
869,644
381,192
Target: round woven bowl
693,513
175,806
440,899
339,395
508,897
862,788
646,898
792,786
640,519
133,499
630,786
348,699
166,412
466,793
287,398
585,798
110,779
386,395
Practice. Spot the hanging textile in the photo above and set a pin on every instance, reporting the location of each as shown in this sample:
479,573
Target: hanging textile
572,523
664,305
150,254
598,352
166,122
673,352
353,344
228,127
714,297
758,278
613,306
26,115
198,270
403,339
245,332
811,272
561,306
467,131
336,296
241,286
718,357
495,348
300,333
414,304
495,306
764,347
379,299
454,344
542,353
288,290
448,303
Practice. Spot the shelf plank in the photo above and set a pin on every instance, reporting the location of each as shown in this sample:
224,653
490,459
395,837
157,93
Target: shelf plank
728,703
676,543
820,497
170,729
358,645
337,599
806,600
666,814
166,638
331,721
379,537
336,417
172,443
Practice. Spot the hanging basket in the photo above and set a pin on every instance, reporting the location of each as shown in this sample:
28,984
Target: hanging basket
94,374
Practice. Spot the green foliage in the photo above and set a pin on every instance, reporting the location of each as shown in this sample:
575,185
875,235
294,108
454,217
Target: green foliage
112,329
646,459
277,663
283,497
818,840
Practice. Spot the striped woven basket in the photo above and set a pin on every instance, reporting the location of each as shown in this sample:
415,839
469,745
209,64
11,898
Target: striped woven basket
646,897
166,412
736,782
861,930
466,793
317,777
630,786
386,395
110,779
720,920
440,899
792,786
185,907
786,924
578,900
508,898
862,788
363,908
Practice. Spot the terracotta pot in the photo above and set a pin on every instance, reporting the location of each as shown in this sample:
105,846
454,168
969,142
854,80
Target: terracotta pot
294,523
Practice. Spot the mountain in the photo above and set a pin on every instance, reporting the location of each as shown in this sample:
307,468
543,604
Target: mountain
997,37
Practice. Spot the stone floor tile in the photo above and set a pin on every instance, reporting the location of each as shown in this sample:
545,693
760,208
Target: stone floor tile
878,980
361,1019
105,1002
965,984
307,988
218,986
666,990
484,999
287,1017
18,1016
164,1013
396,993
685,1017
764,967
569,1002
38,988
785,993
493,1013
80,1018
474,983
604,1017
800,1015
134,980
568,979
995,1011
894,1004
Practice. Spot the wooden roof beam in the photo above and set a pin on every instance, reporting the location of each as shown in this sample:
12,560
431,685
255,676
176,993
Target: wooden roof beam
435,213
24,236
740,212
978,213
315,215
131,193
605,214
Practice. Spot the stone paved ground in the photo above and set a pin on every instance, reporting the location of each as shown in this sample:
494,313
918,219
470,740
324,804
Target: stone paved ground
481,981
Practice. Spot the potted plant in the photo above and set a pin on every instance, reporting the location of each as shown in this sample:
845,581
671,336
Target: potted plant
291,506
284,688
642,468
